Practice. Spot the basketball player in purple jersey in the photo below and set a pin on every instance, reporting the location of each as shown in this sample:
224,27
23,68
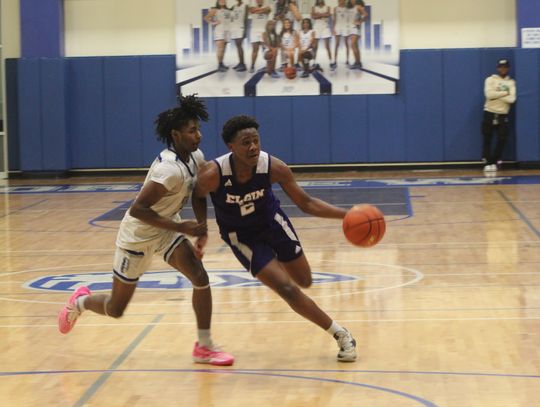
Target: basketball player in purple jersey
253,224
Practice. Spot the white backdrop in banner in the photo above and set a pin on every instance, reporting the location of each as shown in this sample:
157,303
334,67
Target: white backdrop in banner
197,65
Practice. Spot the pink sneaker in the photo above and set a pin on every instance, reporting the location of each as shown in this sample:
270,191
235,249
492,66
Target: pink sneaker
69,313
216,357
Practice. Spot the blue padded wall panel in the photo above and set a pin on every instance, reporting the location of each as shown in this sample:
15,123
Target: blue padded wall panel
158,93
275,118
211,136
528,104
463,101
12,110
386,128
349,129
421,79
123,132
226,108
29,92
86,118
311,127
56,149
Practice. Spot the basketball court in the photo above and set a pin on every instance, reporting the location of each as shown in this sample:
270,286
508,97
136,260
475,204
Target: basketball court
445,310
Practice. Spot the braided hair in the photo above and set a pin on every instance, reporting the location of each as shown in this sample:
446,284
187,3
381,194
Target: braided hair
236,124
191,108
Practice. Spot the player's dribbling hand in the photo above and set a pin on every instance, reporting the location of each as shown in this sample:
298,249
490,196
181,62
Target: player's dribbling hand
199,246
192,228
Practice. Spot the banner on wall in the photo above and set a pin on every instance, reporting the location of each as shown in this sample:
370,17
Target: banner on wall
288,47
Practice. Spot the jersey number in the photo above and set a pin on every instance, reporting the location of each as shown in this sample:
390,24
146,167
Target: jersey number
247,208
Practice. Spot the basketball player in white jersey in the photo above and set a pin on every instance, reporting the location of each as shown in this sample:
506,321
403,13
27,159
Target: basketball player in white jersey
341,29
153,226
357,15
307,42
220,18
259,12
240,13
320,14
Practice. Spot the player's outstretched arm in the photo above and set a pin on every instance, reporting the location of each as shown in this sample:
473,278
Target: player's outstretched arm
283,175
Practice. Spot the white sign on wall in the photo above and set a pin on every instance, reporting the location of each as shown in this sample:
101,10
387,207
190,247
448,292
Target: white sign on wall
530,37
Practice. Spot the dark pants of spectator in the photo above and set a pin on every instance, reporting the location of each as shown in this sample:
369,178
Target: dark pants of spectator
494,123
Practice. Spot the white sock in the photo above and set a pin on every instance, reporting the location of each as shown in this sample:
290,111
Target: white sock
80,303
335,327
204,337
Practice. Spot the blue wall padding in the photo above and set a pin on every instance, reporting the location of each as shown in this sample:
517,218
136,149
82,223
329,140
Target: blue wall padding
424,125
12,112
386,118
311,126
462,95
86,120
211,136
29,115
104,108
349,129
55,141
123,133
275,116
528,106
157,95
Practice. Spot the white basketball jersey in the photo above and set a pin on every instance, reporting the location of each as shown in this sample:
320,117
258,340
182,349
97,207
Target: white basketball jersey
238,15
342,18
179,179
305,39
258,21
287,40
321,23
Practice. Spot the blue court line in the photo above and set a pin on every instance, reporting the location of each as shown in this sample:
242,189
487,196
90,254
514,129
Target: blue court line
250,87
23,208
233,370
107,373
195,78
519,213
325,87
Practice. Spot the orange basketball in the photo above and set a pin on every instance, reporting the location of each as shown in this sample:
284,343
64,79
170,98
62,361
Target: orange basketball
364,225
290,72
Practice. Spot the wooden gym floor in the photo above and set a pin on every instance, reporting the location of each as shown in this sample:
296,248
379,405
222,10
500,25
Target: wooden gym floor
446,309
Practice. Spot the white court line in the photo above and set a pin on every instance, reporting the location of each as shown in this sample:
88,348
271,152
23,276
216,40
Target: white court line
299,321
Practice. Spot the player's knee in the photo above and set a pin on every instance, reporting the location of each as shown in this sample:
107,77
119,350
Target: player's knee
200,279
305,281
115,311
289,292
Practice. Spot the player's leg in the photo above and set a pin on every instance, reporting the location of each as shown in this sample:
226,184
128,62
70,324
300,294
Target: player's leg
240,49
220,44
327,45
254,53
336,49
487,132
128,267
181,256
502,137
275,277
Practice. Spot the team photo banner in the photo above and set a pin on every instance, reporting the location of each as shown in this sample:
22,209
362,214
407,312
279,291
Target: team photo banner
239,48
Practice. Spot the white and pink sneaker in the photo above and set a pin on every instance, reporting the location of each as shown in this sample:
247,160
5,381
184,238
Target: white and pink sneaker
212,356
70,312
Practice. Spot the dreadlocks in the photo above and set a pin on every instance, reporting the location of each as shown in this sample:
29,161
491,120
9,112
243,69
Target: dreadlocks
191,108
